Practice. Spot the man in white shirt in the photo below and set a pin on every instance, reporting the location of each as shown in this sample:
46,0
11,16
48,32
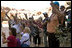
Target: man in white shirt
17,27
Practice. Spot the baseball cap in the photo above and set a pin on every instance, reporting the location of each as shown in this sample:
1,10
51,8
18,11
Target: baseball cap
57,3
44,13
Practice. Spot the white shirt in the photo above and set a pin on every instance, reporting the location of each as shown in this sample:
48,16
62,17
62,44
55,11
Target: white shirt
17,27
12,22
24,38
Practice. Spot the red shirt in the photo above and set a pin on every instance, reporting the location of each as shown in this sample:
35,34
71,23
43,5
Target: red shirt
12,41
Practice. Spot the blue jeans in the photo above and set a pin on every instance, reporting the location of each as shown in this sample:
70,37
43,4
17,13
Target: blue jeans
25,45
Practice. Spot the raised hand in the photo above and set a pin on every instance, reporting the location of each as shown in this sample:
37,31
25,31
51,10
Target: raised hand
52,4
26,16
7,15
3,34
51,1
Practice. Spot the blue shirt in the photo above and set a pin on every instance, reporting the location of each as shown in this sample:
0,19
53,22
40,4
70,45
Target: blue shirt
45,26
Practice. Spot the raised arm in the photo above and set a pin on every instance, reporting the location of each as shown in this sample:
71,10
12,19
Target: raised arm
26,16
4,38
56,10
7,15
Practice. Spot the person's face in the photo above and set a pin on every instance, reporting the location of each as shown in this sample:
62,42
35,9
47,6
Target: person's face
56,6
45,15
62,9
30,20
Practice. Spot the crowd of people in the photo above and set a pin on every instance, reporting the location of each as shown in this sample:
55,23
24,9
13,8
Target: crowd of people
22,31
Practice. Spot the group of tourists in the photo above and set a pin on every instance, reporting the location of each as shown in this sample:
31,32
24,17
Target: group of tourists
23,31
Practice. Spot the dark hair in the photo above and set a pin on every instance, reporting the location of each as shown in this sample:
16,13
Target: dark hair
23,25
30,18
13,30
62,6
45,13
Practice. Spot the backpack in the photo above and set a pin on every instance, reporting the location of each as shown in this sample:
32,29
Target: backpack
18,42
35,31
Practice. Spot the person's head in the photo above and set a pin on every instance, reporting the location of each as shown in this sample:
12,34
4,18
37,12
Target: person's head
45,14
12,31
11,14
62,8
56,4
16,14
26,30
30,20
40,19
